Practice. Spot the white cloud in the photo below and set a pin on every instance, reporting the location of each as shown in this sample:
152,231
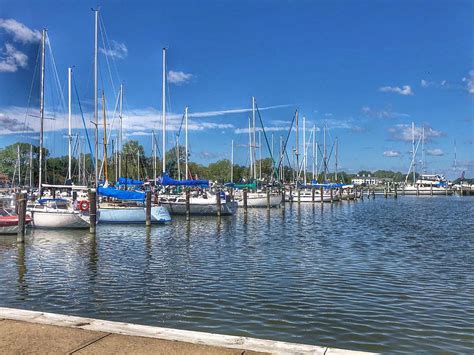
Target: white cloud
435,152
391,153
117,50
138,121
178,77
443,84
469,80
19,31
11,59
404,90
403,132
382,113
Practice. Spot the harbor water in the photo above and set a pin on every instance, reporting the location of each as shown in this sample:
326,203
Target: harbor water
384,275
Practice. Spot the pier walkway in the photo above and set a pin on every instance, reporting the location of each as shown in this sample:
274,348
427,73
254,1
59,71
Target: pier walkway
30,332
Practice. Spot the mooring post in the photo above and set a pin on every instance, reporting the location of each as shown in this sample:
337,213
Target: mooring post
92,211
331,194
188,206
291,194
218,202
373,193
385,192
431,190
17,198
268,198
321,197
299,195
417,190
245,201
340,193
312,195
283,197
395,192
148,208
21,217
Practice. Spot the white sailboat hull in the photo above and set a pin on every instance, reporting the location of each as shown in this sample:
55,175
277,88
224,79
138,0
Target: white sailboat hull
426,191
305,197
259,200
202,209
59,219
159,214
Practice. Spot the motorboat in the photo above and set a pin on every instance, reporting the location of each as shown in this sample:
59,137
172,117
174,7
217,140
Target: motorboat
59,213
9,221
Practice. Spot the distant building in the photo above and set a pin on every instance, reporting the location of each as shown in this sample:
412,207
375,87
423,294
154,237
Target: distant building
370,180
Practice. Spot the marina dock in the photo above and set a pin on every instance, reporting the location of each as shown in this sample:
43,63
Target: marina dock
24,331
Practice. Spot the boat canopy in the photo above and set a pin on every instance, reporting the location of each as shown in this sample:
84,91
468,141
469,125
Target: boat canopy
167,181
121,194
128,181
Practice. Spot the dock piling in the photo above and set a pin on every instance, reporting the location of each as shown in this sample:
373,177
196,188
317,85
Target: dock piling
92,211
312,195
148,209
188,206
21,217
321,197
245,201
268,198
218,202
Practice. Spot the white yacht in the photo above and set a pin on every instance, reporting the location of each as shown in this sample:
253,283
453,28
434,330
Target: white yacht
59,213
200,203
258,199
434,184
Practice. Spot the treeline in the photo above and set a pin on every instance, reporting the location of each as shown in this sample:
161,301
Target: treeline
135,164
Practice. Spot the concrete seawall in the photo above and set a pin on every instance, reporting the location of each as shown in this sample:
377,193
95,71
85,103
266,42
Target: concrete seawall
24,331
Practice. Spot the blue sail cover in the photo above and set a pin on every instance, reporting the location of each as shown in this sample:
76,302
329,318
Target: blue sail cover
167,181
121,194
128,181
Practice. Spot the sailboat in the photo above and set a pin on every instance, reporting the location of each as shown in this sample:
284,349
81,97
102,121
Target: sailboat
53,213
202,201
255,198
426,184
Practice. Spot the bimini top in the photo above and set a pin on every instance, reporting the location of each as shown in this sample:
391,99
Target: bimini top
167,181
124,195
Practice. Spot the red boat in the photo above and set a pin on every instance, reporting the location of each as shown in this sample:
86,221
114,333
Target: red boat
9,222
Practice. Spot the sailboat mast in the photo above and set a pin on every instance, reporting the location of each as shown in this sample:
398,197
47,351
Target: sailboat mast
335,173
96,103
232,162
260,155
163,103
304,149
297,150
19,164
106,176
254,139
120,146
40,173
313,171
69,137
250,149
423,150
413,150
325,156
31,166
186,140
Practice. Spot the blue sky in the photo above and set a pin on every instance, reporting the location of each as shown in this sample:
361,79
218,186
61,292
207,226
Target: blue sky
364,69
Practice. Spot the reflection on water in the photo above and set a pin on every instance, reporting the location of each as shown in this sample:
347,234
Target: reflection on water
383,275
